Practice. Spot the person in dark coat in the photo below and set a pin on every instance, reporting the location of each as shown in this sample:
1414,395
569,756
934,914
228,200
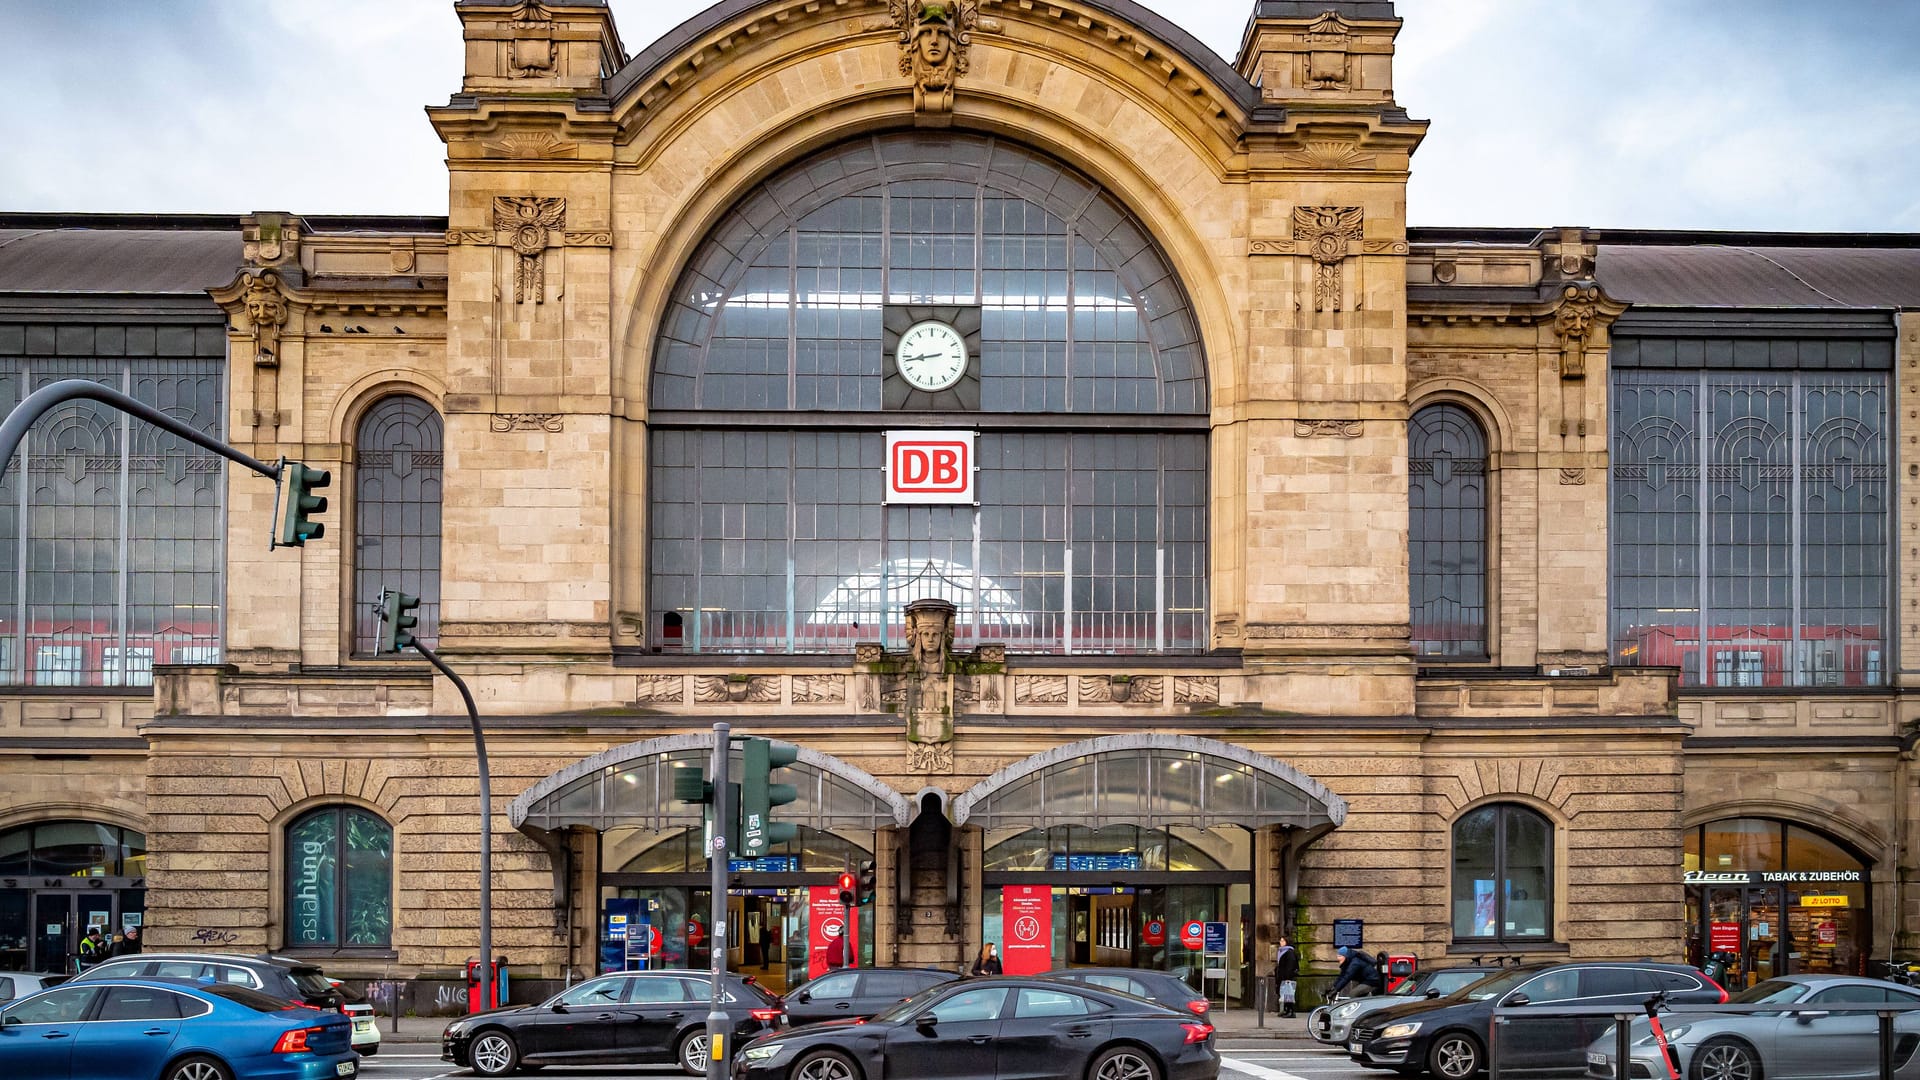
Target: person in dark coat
987,963
1358,970
1286,975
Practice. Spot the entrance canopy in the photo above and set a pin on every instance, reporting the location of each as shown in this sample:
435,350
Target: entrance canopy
632,786
1152,780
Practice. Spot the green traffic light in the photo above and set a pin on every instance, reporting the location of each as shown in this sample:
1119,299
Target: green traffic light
759,833
301,481
396,619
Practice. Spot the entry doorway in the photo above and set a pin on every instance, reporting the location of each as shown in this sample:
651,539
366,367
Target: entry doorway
1740,926
60,920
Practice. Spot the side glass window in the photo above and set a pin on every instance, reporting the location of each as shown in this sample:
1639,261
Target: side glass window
139,1003
1851,994
1033,1003
1675,981
238,977
971,1005
597,992
888,984
1114,982
6,989
837,985
1612,982
1552,986
658,991
63,1006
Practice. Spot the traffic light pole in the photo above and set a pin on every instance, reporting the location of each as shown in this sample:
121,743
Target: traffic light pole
718,1033
487,973
36,404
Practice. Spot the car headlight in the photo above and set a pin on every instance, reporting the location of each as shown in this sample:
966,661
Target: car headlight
1674,1034
1400,1031
456,1029
1344,1009
755,1054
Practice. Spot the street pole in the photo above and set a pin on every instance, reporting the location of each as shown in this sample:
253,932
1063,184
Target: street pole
718,1052
37,403
487,974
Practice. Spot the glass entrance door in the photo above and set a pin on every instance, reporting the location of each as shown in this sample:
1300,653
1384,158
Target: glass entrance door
1742,928
53,940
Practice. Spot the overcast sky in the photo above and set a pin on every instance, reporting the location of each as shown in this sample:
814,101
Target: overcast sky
1738,114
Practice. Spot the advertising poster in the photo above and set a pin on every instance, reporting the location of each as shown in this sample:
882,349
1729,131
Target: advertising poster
1026,914
1484,921
833,937
1723,936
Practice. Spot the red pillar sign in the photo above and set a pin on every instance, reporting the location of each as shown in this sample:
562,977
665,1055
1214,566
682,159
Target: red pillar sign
1026,920
833,933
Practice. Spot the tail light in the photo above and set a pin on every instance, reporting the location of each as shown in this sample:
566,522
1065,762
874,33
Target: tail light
1197,1033
1199,1006
1722,989
295,1041
767,1016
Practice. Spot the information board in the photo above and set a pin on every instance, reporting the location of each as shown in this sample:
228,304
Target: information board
1349,933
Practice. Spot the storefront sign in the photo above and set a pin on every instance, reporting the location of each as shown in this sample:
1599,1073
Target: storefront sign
1724,937
1154,933
1216,939
1193,934
616,928
1771,877
929,467
1825,901
833,934
1026,919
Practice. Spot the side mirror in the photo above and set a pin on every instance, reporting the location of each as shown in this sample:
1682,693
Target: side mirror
1433,993
803,997
1810,1017
1514,1001
926,1021
559,1007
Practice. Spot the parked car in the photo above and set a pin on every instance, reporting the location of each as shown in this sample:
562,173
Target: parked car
366,1027
1812,1045
1448,1036
171,1030
984,1029
289,980
626,1018
18,984
1163,987
1333,1023
857,993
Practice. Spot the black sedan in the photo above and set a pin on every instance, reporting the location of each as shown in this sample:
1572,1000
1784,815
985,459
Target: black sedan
631,1018
1160,987
857,993
983,1029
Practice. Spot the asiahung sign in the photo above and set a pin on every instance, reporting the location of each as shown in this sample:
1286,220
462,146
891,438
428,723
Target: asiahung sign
1772,877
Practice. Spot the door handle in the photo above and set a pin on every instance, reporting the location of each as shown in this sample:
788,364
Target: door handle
604,1016
54,1035
1079,1032
978,1040
843,1005
156,1031
675,1015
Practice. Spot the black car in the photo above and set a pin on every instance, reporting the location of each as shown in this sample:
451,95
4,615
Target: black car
289,980
983,1029
1448,1036
629,1018
1163,987
851,994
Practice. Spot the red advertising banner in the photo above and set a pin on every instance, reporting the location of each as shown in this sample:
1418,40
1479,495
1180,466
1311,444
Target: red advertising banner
1723,936
1026,918
833,933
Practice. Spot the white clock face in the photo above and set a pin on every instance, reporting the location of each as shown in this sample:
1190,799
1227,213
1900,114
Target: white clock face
931,355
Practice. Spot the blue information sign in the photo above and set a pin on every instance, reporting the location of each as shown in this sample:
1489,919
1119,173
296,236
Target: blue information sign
765,864
1095,863
1349,933
1216,939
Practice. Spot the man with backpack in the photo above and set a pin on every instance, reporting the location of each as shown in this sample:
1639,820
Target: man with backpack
1358,970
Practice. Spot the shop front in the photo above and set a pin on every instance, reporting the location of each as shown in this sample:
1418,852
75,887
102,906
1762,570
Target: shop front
57,879
652,893
1139,852
1767,897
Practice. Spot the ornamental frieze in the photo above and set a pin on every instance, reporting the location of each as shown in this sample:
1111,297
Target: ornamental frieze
503,422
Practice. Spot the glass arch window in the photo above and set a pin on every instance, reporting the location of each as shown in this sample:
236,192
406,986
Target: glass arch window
1447,526
1502,875
771,535
339,879
398,460
72,849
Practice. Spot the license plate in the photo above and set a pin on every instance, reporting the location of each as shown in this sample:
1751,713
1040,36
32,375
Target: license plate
1596,1059
346,1068
1353,1048
361,1027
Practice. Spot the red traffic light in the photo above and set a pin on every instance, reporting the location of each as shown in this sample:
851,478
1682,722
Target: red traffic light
846,882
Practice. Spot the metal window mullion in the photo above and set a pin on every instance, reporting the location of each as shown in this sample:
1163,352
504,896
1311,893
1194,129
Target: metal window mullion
222,381
1066,524
1796,402
126,475
25,528
1703,409
793,543
699,550
793,318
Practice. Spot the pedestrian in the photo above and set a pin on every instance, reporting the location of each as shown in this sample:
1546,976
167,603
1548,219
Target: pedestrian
130,944
1358,970
1286,975
94,947
988,962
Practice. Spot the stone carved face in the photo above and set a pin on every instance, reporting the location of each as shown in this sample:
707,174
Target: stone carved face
934,46
928,636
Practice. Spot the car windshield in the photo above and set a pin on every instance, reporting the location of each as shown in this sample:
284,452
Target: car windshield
251,998
1768,992
906,1007
1497,985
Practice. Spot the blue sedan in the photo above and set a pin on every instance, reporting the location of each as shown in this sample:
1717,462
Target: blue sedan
135,1029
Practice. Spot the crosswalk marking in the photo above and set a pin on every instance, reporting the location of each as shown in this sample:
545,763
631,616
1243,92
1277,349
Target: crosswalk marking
1260,1071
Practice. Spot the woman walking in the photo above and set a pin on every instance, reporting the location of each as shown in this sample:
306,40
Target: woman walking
987,963
1286,975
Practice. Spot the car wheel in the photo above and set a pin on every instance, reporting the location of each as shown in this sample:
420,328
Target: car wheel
493,1053
1725,1059
198,1068
824,1065
1123,1063
692,1052
1454,1056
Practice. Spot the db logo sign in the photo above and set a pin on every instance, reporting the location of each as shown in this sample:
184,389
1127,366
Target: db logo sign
832,928
929,467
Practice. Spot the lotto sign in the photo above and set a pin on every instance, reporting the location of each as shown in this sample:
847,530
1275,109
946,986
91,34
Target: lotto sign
929,467
1026,916
1193,934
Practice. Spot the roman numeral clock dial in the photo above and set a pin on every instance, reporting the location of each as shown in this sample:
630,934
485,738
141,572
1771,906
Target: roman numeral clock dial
931,355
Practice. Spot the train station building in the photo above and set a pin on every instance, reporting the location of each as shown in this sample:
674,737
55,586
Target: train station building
1053,429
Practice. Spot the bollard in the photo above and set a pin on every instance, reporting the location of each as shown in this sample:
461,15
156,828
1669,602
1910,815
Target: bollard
1622,1044
1260,1003
1886,1045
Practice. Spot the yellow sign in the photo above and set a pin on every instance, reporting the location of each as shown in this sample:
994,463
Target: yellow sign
1825,901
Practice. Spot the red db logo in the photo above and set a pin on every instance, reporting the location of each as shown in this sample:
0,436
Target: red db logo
930,466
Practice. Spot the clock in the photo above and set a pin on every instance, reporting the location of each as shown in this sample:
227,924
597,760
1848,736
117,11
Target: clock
932,355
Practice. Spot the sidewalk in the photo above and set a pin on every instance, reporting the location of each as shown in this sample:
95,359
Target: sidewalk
1244,1024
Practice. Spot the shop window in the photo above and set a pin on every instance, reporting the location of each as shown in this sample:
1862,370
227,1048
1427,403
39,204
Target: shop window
339,882
1447,541
1502,875
398,460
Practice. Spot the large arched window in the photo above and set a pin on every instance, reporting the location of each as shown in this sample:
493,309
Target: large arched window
397,467
1502,875
339,883
774,380
1447,533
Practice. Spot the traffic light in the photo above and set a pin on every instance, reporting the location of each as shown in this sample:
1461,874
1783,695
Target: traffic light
847,885
690,784
396,618
863,892
759,833
301,503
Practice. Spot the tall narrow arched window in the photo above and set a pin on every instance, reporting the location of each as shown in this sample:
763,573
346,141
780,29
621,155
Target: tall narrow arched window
1447,533
1502,875
397,466
339,884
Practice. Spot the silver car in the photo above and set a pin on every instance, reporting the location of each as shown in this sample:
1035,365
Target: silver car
18,984
1811,1045
1331,1023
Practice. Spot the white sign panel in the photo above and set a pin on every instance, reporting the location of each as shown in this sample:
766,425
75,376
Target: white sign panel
929,467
